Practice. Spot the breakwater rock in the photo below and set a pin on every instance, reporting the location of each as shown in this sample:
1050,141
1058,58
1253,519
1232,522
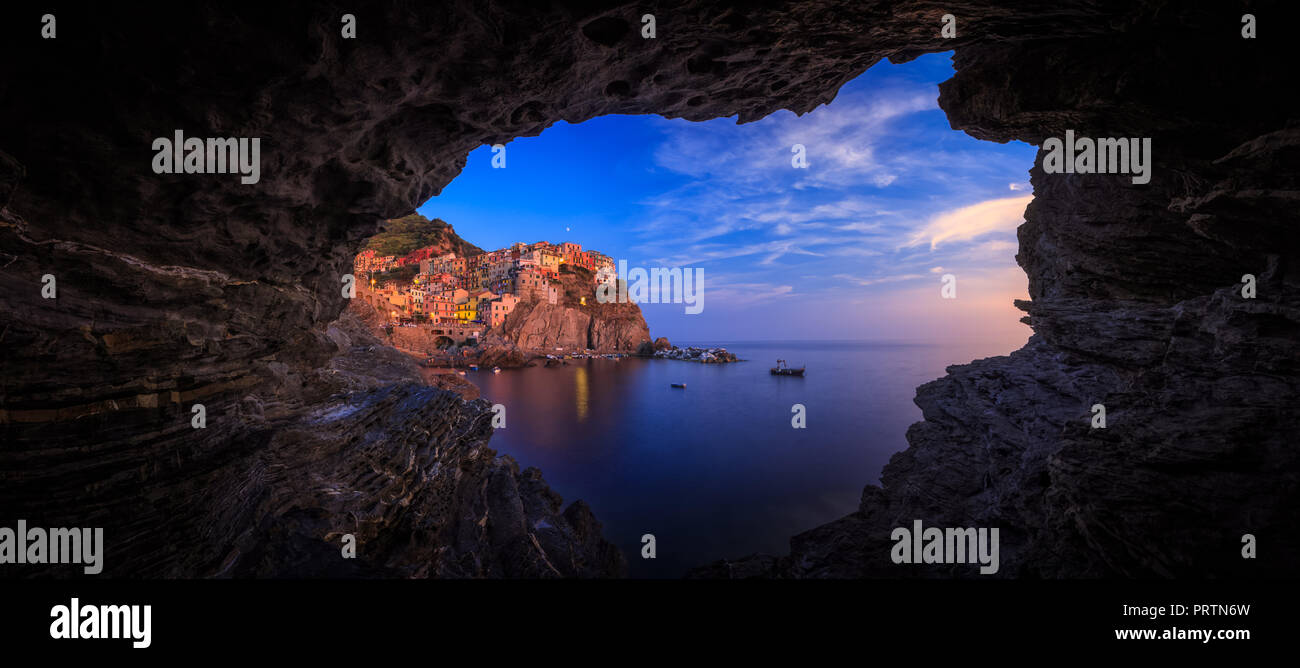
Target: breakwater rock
693,354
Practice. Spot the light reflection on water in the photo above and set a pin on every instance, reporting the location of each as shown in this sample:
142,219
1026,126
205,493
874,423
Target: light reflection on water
580,392
716,470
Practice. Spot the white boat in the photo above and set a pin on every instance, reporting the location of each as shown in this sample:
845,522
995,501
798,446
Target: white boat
496,369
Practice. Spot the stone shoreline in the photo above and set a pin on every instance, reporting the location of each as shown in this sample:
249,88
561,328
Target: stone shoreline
694,354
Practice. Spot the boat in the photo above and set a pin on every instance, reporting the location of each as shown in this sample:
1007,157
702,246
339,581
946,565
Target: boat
473,367
681,385
460,373
783,369
496,369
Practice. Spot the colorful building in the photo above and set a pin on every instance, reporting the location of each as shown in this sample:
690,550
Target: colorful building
501,307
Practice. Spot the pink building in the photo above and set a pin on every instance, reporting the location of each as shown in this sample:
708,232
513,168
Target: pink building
501,307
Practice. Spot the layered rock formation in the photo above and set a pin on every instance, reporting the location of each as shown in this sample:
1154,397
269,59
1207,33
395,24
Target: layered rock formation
577,321
183,289
543,326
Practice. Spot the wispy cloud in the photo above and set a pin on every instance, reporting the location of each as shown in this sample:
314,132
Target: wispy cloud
972,221
768,251
730,290
864,282
855,219
843,143
741,294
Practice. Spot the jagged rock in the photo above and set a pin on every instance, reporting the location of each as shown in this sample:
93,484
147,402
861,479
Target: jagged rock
648,349
1136,305
694,354
501,355
437,501
454,383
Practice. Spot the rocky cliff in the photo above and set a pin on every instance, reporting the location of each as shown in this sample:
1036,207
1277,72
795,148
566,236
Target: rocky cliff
576,321
179,289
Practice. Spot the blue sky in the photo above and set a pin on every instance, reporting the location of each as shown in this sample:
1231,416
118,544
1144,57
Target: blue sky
853,247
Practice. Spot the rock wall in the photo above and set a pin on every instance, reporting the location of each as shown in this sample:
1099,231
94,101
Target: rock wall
608,328
1136,304
576,321
180,289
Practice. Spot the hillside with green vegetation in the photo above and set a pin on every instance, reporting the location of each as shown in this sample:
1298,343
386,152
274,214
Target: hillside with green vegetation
403,235
402,275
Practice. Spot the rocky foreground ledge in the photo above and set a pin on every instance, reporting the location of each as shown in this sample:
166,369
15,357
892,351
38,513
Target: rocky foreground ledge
432,499
361,446
406,468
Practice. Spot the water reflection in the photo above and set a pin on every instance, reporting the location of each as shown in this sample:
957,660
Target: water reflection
715,470
580,392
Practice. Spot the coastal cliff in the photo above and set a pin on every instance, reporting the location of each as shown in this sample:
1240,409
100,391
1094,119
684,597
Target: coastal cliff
576,321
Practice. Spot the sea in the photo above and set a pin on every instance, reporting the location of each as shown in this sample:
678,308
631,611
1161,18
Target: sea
717,469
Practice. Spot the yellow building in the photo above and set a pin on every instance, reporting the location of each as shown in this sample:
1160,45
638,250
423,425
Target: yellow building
467,311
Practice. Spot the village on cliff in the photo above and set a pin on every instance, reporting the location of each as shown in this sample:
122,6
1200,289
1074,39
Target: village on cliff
448,301
467,293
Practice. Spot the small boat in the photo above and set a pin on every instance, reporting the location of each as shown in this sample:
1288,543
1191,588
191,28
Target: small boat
473,367
681,385
460,373
496,369
783,369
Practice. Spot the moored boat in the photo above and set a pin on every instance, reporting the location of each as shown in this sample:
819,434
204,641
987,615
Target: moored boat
783,369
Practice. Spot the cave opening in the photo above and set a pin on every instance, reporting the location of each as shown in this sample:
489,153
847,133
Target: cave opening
178,292
847,259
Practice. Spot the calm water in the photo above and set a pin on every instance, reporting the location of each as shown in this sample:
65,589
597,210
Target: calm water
716,470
